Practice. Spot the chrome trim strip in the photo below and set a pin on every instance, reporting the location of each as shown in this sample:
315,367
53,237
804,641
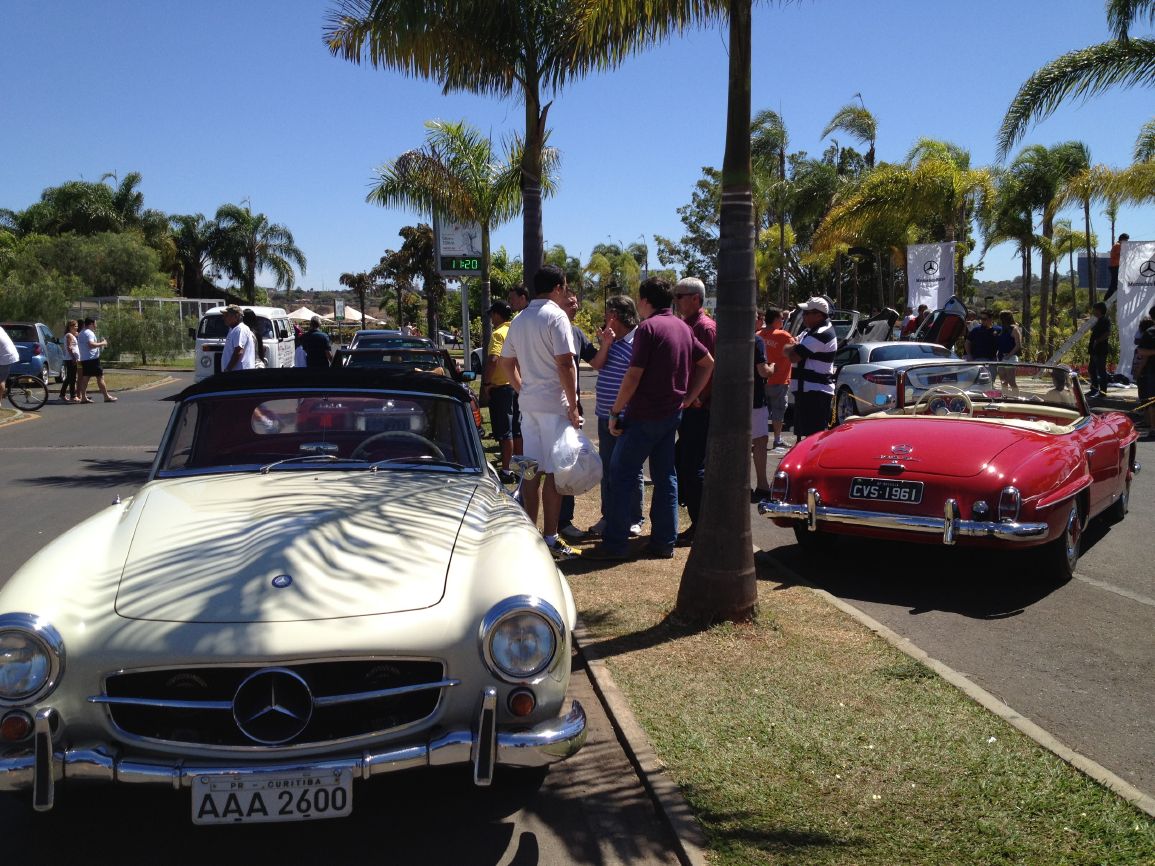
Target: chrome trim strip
333,700
1007,531
327,701
950,517
485,745
44,777
545,744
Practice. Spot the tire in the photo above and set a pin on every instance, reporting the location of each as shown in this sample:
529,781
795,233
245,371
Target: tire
27,393
1059,557
845,406
1120,506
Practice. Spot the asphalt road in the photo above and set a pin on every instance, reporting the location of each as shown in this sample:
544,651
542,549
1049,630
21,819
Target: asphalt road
1078,659
65,465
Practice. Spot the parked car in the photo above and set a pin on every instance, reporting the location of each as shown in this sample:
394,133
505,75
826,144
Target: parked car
389,340
40,351
1000,456
321,581
448,338
402,359
867,380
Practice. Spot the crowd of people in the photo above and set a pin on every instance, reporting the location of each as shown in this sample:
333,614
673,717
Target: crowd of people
655,362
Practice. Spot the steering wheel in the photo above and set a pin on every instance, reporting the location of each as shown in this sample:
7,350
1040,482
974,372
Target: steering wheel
362,450
946,389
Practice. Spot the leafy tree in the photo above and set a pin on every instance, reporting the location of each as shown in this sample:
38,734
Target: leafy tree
696,253
458,175
108,263
147,329
494,47
1086,72
415,263
768,144
30,291
249,244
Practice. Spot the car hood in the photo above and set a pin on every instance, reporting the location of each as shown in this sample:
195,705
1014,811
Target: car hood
289,546
955,448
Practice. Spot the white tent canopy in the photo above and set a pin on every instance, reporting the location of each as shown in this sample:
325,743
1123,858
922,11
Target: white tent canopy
304,314
354,315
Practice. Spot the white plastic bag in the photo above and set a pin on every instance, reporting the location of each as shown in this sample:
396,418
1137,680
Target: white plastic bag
577,467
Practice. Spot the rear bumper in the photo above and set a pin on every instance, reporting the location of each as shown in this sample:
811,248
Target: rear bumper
484,747
950,526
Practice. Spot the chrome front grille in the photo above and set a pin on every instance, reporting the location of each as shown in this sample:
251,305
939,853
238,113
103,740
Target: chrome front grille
350,698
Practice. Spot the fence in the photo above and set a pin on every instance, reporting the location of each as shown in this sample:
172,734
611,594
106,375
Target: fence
148,328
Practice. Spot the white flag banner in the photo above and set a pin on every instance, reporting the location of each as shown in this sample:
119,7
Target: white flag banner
929,275
1136,296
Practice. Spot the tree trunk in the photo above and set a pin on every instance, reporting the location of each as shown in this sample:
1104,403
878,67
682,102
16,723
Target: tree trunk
532,242
718,583
1091,263
781,228
1048,233
1026,321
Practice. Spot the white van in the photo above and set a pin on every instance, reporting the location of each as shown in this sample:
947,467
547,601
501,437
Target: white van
275,329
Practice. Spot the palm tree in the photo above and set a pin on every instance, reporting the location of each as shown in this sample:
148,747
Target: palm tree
768,144
1090,184
857,122
195,239
458,175
1066,242
718,582
1122,61
362,283
249,243
494,47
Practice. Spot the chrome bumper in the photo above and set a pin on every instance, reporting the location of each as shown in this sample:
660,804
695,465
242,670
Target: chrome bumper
483,747
950,526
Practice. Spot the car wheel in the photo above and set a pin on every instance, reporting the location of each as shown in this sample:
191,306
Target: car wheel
812,541
845,406
1061,555
1122,505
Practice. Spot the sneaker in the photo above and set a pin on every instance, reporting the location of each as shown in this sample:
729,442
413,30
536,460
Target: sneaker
778,445
636,528
562,551
571,532
598,528
758,494
1093,393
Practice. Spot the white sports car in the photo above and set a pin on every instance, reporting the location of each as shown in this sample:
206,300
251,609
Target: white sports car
867,374
322,581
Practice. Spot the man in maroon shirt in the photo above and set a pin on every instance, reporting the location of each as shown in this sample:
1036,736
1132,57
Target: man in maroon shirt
669,367
690,454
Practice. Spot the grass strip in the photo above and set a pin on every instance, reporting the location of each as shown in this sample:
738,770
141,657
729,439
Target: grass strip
804,738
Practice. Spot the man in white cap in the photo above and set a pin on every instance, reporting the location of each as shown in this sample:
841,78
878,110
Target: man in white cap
812,380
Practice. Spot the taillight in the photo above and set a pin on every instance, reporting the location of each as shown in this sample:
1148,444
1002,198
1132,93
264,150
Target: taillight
780,487
36,350
881,377
1009,504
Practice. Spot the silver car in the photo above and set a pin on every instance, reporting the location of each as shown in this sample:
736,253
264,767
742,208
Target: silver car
866,379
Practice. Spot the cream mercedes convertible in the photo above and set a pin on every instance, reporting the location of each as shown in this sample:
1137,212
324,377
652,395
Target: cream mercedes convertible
322,581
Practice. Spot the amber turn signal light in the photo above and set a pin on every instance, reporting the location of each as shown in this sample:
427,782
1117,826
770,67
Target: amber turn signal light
521,702
15,727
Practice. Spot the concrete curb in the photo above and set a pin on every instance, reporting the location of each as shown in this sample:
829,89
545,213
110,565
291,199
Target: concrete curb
17,417
669,803
981,696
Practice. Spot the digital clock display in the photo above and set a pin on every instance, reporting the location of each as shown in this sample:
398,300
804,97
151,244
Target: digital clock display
452,263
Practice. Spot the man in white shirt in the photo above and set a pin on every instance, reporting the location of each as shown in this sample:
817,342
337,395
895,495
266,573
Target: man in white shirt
90,367
8,356
240,352
537,358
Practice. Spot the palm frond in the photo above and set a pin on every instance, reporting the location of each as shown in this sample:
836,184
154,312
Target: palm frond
1121,14
855,121
1079,74
1145,142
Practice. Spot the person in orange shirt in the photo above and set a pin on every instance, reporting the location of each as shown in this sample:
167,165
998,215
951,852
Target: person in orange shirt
778,382
1113,265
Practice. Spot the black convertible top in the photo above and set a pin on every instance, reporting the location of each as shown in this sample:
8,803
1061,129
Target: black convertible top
295,378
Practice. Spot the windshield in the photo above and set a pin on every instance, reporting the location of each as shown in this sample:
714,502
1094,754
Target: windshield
312,429
993,387
214,328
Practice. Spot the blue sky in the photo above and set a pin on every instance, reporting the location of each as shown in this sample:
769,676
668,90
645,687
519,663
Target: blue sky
218,101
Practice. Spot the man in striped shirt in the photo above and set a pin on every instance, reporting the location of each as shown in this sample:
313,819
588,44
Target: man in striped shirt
812,380
612,361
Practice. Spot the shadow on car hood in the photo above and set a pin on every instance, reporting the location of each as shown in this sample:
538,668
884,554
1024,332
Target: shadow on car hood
290,546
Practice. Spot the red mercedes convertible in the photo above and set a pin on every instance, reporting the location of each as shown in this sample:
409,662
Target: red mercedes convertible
976,454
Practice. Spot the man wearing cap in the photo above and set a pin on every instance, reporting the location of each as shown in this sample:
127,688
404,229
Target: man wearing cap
812,380
316,345
689,296
240,352
497,392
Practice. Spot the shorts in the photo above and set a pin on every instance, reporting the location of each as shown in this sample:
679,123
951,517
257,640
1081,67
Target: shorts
776,400
502,415
91,368
540,432
4,368
760,423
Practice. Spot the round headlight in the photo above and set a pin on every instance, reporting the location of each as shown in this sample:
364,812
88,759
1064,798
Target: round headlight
31,658
520,638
